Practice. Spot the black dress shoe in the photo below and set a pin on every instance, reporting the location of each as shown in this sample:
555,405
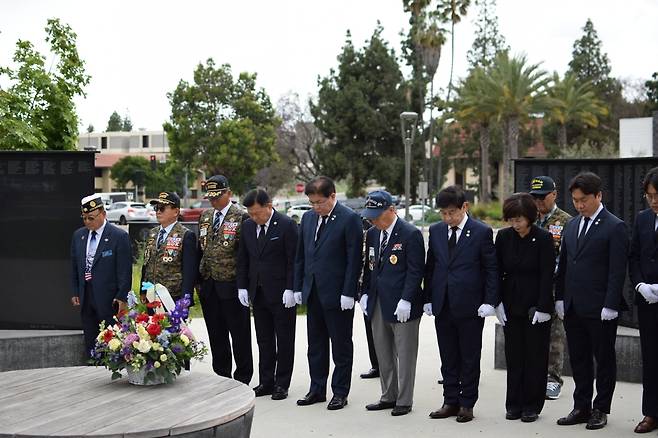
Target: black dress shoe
529,417
577,416
262,390
464,415
337,402
372,373
380,406
445,412
400,410
311,398
279,393
646,425
512,415
597,420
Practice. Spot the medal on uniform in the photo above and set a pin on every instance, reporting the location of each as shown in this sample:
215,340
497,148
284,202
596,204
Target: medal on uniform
225,243
393,259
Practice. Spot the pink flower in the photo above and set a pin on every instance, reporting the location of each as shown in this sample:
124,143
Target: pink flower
187,332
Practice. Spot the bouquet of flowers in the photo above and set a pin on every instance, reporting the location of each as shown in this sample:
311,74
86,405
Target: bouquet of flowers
157,345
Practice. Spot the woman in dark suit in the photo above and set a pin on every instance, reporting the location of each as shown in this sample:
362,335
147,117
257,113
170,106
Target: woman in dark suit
526,262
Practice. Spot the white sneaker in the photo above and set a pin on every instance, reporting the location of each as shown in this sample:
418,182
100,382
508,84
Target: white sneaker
553,390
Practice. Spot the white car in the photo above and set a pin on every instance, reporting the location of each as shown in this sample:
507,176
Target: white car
416,211
122,212
297,211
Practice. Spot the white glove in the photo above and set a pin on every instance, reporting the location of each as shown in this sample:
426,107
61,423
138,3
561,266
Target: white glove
363,303
608,314
288,299
500,314
403,310
559,309
649,292
298,298
243,296
427,308
540,317
346,303
486,310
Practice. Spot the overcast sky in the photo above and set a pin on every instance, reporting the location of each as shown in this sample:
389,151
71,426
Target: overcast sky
137,51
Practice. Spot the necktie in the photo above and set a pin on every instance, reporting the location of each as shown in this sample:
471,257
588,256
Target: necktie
322,224
91,252
161,238
216,222
261,237
583,231
452,242
383,245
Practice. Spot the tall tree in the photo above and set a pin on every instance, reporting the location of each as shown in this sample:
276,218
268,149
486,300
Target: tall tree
126,124
37,110
452,11
138,171
222,125
488,42
114,123
652,92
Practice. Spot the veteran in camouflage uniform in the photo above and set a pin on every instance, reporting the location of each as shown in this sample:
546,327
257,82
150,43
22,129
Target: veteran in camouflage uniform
170,256
553,219
219,237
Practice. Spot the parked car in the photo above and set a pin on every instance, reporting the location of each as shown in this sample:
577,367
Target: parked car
297,211
193,213
151,212
122,212
416,211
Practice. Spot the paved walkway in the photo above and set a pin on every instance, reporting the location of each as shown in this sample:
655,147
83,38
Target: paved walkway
286,419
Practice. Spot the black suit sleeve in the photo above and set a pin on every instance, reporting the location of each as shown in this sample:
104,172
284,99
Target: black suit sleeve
429,270
290,241
415,266
190,264
634,270
354,248
75,274
546,269
490,265
242,273
123,266
617,259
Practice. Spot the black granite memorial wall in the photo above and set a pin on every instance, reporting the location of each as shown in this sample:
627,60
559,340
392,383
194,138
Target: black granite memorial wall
40,196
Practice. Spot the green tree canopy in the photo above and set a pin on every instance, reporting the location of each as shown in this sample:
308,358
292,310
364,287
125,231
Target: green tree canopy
114,123
222,125
652,92
138,170
488,42
37,110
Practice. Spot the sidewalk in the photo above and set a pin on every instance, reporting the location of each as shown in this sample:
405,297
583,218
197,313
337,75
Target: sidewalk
286,419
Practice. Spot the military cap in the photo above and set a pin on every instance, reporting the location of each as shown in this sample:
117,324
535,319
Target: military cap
91,203
216,186
542,185
167,198
376,203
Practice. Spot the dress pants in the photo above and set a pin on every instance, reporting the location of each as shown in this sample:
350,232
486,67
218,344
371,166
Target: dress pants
92,316
224,317
460,347
526,353
322,326
372,354
648,318
588,339
275,334
397,349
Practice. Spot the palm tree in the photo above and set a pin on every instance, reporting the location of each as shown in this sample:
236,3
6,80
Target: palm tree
573,101
452,11
519,90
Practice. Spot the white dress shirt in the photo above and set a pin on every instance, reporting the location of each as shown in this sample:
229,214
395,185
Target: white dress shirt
460,228
592,218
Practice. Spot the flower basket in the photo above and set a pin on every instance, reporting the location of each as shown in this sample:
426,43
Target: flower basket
151,344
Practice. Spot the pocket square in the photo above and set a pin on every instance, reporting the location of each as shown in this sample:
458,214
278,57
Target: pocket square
106,253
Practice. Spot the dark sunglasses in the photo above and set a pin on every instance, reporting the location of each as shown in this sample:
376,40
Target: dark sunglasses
160,208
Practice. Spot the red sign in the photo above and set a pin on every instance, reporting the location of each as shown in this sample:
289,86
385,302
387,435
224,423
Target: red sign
299,188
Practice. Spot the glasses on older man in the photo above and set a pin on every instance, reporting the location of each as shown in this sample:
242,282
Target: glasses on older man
89,217
160,208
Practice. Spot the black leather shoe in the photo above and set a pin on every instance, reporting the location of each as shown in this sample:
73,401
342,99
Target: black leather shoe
372,373
400,410
464,415
597,420
311,398
262,390
512,415
380,406
279,393
337,402
445,412
529,417
577,416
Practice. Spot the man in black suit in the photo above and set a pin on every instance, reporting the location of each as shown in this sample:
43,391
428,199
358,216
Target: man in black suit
327,265
265,275
461,289
393,298
643,271
588,291
101,275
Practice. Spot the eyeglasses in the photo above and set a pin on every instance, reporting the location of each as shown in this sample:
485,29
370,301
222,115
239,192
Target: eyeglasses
89,218
160,208
651,197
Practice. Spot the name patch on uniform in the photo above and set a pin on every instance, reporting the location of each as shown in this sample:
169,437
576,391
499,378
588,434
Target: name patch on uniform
203,231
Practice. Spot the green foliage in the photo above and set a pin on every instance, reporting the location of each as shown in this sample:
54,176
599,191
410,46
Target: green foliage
490,213
652,92
589,150
137,169
126,124
488,42
222,125
37,110
114,123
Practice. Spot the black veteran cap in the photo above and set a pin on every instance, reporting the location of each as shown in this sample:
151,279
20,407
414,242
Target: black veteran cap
376,203
542,185
167,198
91,203
216,185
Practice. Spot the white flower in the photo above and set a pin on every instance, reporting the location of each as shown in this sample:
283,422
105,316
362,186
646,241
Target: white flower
143,345
156,364
163,357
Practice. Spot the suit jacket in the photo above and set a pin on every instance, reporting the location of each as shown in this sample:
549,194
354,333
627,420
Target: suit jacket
400,273
111,270
271,266
643,260
525,269
592,277
469,278
334,262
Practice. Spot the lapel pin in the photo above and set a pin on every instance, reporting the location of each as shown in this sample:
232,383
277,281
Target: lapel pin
333,217
107,240
533,239
274,223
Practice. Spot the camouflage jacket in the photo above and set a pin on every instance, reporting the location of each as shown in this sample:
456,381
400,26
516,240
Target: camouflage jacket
555,225
164,265
220,251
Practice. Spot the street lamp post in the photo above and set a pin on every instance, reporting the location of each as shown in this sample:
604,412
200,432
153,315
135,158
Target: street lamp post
408,130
